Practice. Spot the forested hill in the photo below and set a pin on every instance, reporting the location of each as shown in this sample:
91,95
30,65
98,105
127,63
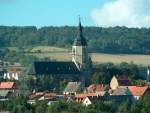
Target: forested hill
108,40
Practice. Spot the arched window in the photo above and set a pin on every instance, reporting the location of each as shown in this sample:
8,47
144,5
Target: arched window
73,51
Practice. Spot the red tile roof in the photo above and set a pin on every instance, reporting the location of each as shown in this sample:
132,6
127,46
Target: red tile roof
36,95
7,85
83,95
50,95
80,97
101,87
138,90
91,88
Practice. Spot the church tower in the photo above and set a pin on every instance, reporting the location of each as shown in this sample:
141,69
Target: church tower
79,51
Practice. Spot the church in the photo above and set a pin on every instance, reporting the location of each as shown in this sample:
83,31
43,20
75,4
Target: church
81,63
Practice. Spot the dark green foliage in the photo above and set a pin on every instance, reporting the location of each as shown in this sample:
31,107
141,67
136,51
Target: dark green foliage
72,107
16,56
109,40
143,105
53,83
40,107
123,108
108,70
19,105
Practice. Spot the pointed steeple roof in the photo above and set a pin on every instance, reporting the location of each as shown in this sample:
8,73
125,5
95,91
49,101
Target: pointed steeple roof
80,40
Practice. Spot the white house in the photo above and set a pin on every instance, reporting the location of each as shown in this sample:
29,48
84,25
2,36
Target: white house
87,101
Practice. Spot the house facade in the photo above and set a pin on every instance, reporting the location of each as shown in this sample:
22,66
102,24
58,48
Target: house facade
87,101
117,81
120,94
7,89
73,88
14,72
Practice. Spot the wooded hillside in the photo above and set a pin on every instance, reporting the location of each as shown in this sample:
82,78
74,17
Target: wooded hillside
107,40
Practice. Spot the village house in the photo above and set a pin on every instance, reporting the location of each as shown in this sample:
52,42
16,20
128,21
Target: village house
73,87
7,89
84,98
87,101
42,96
89,98
120,94
11,86
117,81
35,97
14,72
4,95
49,97
81,96
97,88
138,91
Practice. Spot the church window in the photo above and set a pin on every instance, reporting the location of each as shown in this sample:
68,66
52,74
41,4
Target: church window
73,50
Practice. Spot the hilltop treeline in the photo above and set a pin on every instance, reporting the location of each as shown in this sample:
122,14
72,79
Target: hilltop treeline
108,40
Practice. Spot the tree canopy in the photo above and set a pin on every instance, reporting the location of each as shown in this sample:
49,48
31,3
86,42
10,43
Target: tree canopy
109,40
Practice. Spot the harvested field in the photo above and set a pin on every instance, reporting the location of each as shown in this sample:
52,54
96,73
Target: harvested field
99,57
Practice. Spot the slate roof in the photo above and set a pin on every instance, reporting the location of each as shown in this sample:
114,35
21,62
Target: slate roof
80,40
53,67
73,87
121,91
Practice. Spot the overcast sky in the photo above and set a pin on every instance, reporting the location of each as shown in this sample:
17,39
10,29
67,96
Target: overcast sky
104,13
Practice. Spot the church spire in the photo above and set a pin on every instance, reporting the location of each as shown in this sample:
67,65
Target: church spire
80,29
80,40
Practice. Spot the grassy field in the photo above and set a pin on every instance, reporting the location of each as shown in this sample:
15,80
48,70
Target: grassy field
118,58
61,54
